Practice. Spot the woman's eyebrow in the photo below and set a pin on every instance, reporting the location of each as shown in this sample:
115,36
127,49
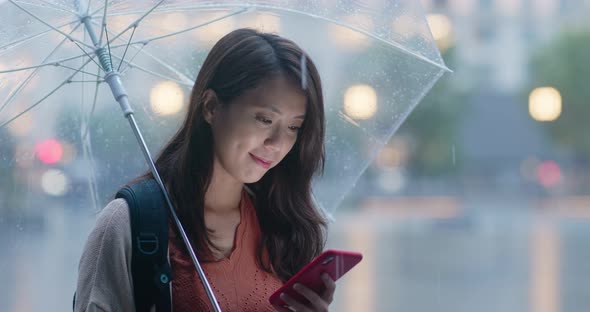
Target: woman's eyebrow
276,110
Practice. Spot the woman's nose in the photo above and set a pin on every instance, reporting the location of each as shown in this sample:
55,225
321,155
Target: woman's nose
274,139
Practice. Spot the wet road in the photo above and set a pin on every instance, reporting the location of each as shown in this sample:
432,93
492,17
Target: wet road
493,260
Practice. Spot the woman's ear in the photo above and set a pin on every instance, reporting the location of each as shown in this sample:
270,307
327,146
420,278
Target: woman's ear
210,105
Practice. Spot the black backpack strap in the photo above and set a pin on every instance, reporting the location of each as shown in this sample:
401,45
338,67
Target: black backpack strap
149,233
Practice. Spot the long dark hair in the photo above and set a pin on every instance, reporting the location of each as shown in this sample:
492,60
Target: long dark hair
293,229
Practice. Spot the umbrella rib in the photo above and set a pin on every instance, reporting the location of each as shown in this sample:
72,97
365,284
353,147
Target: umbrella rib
88,55
88,7
49,25
331,20
87,144
81,71
84,81
131,60
129,64
126,48
92,109
145,41
23,40
190,8
58,7
45,97
87,152
26,81
51,63
104,21
187,80
136,22
53,7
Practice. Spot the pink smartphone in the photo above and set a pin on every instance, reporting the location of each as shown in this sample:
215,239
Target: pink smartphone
334,262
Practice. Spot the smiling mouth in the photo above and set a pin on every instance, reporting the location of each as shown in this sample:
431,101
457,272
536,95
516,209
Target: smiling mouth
264,164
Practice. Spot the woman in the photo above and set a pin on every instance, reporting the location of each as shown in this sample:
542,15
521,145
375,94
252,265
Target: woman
239,173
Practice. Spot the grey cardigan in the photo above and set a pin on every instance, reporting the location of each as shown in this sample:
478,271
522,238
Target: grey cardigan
104,273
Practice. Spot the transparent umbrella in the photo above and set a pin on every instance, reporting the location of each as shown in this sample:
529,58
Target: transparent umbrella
65,64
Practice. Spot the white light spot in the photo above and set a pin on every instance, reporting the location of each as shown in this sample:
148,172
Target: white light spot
392,180
54,182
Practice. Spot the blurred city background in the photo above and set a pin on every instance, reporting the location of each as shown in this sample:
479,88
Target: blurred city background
479,202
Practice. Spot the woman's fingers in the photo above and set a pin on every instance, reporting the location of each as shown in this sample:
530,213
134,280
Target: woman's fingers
316,301
328,294
296,305
283,309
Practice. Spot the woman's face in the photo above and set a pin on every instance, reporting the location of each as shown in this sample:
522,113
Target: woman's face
253,133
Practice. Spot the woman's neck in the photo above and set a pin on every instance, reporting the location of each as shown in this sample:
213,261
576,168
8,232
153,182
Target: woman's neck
223,194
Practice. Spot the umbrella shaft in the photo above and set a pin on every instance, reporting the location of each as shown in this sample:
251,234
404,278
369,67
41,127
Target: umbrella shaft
113,78
156,175
103,55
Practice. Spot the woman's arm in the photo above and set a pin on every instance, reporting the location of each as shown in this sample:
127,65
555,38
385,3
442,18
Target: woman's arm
104,273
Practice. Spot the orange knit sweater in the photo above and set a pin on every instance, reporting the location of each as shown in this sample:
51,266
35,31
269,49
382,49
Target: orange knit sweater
238,282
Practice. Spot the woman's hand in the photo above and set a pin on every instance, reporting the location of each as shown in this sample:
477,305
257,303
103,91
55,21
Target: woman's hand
317,302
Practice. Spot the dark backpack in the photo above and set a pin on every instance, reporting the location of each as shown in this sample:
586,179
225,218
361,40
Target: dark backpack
148,214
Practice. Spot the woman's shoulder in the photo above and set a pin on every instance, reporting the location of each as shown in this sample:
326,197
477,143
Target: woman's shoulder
104,271
114,214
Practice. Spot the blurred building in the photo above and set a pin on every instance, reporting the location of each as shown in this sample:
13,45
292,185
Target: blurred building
494,38
492,43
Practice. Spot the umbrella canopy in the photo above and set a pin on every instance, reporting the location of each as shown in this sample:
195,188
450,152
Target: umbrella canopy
64,140
376,60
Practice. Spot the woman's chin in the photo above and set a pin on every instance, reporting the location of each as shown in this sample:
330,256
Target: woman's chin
253,178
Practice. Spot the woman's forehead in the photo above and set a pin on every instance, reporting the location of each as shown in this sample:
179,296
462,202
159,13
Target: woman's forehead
278,95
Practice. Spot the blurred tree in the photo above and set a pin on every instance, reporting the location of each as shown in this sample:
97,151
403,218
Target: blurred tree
564,64
432,126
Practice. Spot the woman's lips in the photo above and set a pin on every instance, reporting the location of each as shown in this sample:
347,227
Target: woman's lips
263,163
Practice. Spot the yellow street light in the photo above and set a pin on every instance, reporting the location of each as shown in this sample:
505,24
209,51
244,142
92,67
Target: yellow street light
360,102
545,104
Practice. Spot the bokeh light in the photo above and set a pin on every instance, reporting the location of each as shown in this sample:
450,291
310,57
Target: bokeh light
211,33
545,104
21,126
351,39
360,102
54,182
49,151
549,174
166,98
442,30
391,180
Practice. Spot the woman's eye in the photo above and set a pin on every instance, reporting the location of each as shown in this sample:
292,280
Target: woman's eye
264,120
294,128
